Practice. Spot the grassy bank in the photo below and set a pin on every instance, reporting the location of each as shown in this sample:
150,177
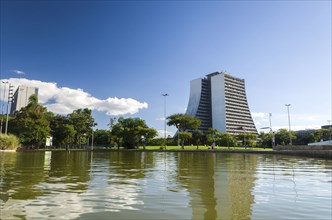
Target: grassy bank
8,142
172,148
325,154
168,148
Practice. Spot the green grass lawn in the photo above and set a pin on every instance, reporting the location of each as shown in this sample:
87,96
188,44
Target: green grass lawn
202,148
168,148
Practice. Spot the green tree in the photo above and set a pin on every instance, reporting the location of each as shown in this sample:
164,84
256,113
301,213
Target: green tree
117,132
265,139
83,123
197,137
68,132
31,124
102,138
156,142
282,136
146,134
62,131
131,130
184,136
212,136
225,139
247,139
322,134
111,123
183,123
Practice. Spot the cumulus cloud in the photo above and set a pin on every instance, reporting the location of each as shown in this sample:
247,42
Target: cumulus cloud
63,100
161,133
18,72
258,114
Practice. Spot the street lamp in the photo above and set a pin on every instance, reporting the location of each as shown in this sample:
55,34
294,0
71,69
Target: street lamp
9,100
289,127
273,138
92,139
330,131
178,126
165,95
3,104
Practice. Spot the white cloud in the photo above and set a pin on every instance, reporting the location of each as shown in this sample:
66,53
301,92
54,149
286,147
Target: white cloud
258,114
300,121
63,100
18,72
161,133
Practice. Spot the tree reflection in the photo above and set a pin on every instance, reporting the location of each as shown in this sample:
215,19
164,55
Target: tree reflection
71,169
18,177
130,164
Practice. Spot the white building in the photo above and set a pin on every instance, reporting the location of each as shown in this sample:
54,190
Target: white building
219,100
21,97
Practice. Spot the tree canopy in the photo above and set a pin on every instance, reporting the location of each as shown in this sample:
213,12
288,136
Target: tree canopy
130,131
183,122
31,124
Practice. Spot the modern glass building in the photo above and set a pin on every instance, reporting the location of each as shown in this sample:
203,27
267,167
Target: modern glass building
219,100
21,97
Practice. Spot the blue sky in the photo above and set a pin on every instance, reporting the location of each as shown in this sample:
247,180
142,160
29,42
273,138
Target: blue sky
118,57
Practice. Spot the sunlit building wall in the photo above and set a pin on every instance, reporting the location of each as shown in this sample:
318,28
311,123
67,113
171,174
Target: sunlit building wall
21,97
219,100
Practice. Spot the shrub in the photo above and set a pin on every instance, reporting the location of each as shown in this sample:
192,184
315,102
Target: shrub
8,142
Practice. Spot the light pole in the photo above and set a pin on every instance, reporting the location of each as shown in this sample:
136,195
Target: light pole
3,104
289,127
9,100
92,139
330,130
271,132
165,95
178,125
273,138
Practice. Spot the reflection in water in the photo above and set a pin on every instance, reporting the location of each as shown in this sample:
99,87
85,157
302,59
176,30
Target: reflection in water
219,185
145,185
292,188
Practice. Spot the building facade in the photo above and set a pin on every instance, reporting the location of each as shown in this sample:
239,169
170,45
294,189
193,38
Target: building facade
21,97
219,100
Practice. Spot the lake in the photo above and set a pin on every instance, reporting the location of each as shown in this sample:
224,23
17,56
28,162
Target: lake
163,185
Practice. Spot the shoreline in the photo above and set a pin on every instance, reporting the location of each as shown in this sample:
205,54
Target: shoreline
323,154
8,151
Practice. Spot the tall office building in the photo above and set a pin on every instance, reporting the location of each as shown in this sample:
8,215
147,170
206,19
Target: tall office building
21,97
219,100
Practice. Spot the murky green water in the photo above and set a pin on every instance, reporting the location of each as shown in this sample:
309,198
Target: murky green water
146,185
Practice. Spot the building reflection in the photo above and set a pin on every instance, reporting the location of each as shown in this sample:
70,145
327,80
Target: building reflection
177,185
219,186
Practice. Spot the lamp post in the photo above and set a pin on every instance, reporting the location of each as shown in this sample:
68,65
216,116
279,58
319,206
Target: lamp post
330,130
9,100
178,126
165,95
3,103
289,127
273,138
